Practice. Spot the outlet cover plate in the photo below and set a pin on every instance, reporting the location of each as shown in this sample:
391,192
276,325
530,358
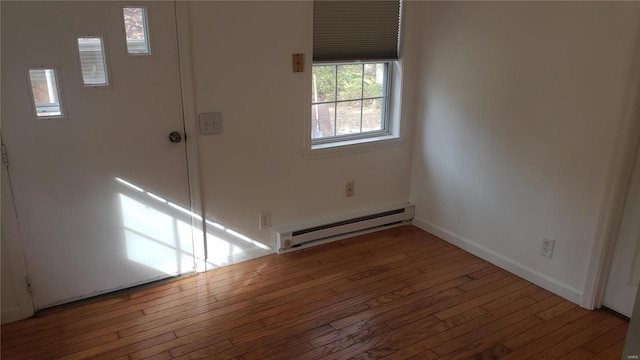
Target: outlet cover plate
547,247
265,219
350,189
210,123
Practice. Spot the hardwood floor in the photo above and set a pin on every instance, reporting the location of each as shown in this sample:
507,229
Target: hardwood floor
397,294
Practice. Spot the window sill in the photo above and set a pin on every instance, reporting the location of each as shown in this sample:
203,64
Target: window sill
353,146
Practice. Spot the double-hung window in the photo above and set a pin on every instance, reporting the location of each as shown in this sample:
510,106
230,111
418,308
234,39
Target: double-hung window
355,44
349,100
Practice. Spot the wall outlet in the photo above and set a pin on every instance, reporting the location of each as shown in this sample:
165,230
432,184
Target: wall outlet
210,123
350,189
265,219
547,247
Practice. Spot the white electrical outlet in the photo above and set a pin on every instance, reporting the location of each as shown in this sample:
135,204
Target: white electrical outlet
547,247
265,219
350,189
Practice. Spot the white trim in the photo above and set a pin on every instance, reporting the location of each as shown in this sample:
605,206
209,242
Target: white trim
555,286
616,190
248,254
190,126
354,146
395,121
337,140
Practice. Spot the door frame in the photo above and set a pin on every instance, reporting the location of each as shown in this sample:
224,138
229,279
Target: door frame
617,188
14,245
190,129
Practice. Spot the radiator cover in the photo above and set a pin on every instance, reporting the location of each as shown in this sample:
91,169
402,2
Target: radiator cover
321,232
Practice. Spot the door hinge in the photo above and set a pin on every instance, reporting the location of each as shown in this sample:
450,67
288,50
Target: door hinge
5,156
29,288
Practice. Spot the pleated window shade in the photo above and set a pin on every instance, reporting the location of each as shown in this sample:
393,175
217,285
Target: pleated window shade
355,30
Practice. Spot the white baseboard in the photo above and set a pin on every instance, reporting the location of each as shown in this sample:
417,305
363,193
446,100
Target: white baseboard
11,315
237,258
555,286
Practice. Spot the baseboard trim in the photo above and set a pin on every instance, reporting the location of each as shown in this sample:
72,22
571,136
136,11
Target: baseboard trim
557,287
238,258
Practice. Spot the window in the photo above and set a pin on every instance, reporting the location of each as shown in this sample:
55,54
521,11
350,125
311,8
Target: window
92,61
349,101
136,32
46,93
355,46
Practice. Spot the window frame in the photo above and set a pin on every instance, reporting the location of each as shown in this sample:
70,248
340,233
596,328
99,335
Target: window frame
397,120
337,140
105,57
398,115
147,32
59,89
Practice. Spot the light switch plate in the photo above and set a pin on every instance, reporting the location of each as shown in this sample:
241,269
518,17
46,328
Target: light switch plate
210,123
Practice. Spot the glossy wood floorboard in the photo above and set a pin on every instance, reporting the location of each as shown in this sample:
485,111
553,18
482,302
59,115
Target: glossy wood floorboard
397,294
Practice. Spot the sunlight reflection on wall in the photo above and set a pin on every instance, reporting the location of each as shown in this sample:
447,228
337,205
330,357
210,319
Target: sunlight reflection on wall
226,246
156,239
159,235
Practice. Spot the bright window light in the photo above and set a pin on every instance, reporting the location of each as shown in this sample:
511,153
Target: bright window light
349,101
46,93
92,61
136,30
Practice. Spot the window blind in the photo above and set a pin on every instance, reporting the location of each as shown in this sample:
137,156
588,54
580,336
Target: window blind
92,61
355,30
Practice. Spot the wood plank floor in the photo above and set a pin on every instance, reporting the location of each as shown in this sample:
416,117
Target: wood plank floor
397,294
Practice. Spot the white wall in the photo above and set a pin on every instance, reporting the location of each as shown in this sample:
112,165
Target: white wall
632,345
518,111
241,57
242,68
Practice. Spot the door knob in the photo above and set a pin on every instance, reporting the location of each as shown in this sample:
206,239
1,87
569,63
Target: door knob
175,137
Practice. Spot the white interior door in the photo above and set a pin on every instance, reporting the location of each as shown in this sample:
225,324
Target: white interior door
624,275
101,193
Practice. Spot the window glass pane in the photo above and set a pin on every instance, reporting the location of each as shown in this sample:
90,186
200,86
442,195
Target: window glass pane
348,117
92,61
46,94
135,26
349,82
324,83
348,100
374,75
372,115
323,120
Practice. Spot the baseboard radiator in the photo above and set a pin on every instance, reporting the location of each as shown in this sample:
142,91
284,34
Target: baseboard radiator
300,237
